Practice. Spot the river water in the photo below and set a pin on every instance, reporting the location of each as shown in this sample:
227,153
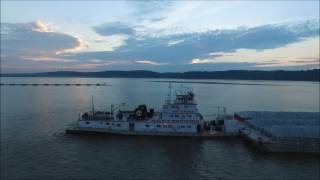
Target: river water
34,144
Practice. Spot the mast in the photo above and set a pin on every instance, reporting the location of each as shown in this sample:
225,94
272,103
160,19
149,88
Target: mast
168,100
92,106
170,92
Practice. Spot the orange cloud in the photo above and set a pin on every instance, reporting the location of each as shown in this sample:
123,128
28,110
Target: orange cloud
149,62
304,52
80,46
41,26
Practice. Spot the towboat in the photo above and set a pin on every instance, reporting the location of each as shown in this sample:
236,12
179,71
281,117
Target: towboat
179,116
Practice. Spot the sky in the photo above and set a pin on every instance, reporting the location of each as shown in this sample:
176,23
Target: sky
156,35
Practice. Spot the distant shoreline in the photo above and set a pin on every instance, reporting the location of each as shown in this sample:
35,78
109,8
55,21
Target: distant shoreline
303,75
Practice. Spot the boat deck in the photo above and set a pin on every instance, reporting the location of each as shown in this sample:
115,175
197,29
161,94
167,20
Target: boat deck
202,135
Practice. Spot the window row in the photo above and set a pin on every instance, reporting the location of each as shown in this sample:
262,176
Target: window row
107,123
170,126
181,116
174,106
176,121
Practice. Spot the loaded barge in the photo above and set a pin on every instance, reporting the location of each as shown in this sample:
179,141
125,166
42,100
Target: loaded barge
295,132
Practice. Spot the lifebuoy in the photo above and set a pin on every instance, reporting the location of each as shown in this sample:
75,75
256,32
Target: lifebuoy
139,113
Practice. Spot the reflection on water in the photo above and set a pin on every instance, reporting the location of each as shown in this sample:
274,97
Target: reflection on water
34,145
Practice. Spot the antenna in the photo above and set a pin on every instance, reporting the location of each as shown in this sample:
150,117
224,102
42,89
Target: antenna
170,92
92,106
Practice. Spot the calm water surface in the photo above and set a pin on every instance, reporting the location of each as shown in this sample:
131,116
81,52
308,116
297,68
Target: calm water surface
34,145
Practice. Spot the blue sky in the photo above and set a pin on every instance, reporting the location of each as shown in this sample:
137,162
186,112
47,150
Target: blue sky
39,36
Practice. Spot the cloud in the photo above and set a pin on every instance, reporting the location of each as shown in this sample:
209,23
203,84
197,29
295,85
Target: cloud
42,26
157,19
106,43
183,48
143,8
219,48
201,61
149,62
174,42
34,40
305,52
113,28
48,59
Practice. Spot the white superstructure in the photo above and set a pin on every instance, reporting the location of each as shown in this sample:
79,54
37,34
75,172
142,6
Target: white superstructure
179,115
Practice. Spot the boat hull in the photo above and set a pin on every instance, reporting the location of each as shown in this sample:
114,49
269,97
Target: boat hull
202,135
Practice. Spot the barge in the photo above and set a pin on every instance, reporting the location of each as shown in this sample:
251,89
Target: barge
281,132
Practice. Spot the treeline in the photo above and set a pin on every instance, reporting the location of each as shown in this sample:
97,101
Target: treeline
305,75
